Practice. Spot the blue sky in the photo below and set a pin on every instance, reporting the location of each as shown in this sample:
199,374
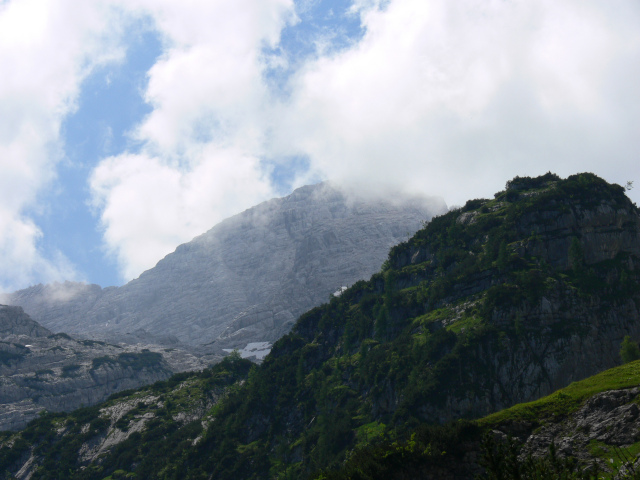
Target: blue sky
127,128
109,106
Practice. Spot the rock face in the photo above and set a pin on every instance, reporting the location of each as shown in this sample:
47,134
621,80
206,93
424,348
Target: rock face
248,278
39,370
495,303
610,418
122,424
13,321
604,429
565,312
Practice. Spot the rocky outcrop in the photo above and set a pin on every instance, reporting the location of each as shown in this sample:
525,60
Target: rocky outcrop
490,305
566,312
562,338
248,278
604,230
155,417
602,432
41,371
13,321
609,419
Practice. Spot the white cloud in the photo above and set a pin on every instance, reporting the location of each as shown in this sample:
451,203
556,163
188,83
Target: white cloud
46,49
449,98
204,138
149,207
202,141
210,79
453,98
21,261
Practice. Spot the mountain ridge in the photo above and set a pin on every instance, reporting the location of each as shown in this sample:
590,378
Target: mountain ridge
498,302
40,370
247,278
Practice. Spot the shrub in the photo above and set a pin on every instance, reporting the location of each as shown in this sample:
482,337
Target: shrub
629,350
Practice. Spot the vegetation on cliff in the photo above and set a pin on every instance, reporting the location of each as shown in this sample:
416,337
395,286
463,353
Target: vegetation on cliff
499,302
499,446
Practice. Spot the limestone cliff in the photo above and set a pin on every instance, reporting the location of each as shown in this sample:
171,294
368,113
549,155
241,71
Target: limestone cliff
563,290
13,321
248,278
492,304
41,371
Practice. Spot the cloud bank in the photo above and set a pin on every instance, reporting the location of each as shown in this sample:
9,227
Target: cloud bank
46,49
445,98
201,160
453,98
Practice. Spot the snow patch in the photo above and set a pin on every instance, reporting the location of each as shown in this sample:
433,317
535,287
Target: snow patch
339,292
255,349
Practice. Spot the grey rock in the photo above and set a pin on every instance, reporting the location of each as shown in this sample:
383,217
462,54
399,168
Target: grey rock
13,321
601,429
40,371
563,336
248,278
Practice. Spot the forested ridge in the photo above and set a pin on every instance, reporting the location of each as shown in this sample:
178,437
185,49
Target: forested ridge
502,301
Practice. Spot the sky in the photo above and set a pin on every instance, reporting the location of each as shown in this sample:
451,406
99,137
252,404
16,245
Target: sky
130,127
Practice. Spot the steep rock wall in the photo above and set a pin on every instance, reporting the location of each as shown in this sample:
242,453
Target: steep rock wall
248,278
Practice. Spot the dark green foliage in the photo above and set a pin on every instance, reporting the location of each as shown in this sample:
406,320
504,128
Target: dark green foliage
502,461
576,255
100,361
9,456
474,204
426,449
528,183
357,380
122,393
157,452
629,350
138,361
11,352
446,448
503,256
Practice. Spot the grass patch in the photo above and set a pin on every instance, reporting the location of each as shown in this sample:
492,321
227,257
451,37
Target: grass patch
464,323
437,315
369,433
571,398
614,456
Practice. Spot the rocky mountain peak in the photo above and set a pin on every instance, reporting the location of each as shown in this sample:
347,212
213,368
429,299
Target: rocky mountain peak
14,322
248,278
501,301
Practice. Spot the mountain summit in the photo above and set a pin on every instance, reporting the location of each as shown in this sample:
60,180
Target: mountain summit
501,301
248,278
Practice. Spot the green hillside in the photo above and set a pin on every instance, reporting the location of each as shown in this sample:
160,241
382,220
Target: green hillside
567,400
463,448
499,302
